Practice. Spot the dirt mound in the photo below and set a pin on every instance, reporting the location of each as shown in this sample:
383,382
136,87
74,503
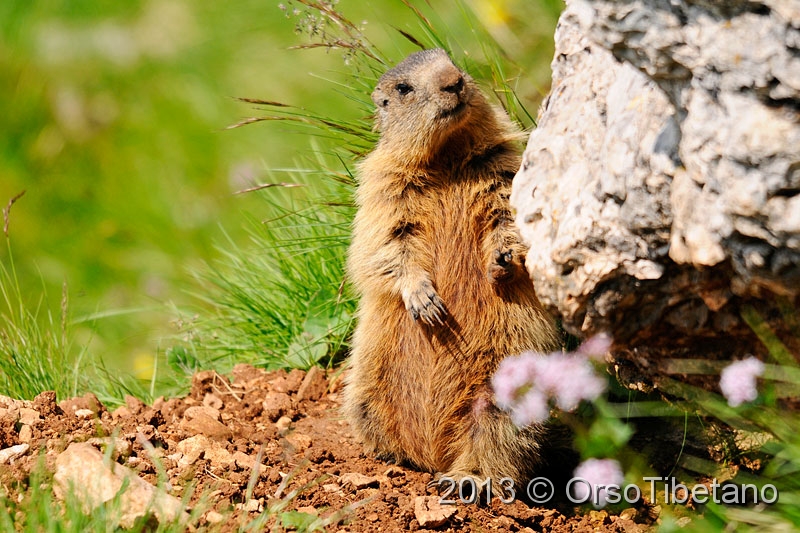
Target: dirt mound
262,441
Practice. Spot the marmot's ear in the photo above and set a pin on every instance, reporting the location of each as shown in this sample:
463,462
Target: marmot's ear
380,98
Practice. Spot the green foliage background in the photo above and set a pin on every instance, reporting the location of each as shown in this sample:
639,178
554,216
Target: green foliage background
114,119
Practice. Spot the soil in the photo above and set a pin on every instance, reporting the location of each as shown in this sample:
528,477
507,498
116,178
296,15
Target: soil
209,442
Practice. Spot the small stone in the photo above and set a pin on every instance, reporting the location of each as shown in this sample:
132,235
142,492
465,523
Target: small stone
598,518
175,457
84,413
288,382
213,517
502,523
243,461
219,456
276,405
45,403
25,434
313,386
10,403
28,416
332,488
299,441
202,424
192,448
629,514
253,506
71,405
121,412
201,410
430,513
393,471
8,455
213,401
134,404
307,509
358,481
283,423
82,471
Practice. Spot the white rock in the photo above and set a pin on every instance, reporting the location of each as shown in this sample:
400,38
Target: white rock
82,471
8,455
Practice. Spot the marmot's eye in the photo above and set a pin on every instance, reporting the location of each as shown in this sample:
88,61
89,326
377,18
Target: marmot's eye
403,88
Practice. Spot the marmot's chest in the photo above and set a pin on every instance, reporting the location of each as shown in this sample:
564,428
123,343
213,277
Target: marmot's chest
453,233
449,217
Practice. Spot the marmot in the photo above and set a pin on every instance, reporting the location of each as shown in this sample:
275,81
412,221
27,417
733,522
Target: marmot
438,265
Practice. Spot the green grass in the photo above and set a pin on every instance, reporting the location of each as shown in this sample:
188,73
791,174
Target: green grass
35,354
281,300
774,428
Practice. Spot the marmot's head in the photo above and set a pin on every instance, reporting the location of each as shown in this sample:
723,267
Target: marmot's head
424,100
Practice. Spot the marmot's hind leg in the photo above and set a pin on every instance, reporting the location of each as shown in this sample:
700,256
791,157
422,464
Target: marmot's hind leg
496,448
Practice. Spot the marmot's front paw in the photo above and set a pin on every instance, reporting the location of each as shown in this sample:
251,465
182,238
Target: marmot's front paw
425,304
501,267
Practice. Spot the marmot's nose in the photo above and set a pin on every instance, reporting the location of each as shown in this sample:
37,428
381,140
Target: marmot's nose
451,81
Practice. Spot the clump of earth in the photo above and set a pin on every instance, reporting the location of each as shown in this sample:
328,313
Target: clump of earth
269,448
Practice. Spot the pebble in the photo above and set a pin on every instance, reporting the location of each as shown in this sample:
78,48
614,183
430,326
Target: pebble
430,513
82,471
203,424
314,385
8,455
28,416
191,449
276,405
358,481
25,434
283,423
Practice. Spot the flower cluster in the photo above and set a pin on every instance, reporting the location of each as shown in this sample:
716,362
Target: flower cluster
738,381
598,474
526,384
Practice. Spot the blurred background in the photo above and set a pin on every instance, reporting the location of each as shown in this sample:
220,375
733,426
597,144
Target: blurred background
113,120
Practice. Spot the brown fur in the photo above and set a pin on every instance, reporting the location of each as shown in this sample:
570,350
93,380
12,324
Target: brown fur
439,267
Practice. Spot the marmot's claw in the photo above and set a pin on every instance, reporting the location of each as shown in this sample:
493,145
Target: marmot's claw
503,258
425,304
501,268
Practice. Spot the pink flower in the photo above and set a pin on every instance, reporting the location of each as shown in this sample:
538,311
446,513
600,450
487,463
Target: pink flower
738,381
596,346
568,379
594,474
531,408
525,385
513,377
